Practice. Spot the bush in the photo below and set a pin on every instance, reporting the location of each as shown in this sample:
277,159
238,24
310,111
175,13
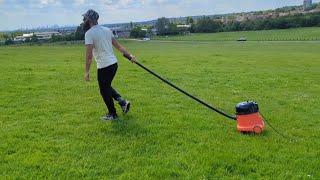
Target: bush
137,32
8,42
208,25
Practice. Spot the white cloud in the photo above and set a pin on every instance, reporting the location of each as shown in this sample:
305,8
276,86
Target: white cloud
79,2
46,2
119,4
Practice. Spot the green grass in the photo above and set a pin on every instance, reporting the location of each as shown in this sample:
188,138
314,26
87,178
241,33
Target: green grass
299,34
50,125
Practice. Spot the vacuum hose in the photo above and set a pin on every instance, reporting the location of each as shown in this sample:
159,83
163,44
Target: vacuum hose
129,57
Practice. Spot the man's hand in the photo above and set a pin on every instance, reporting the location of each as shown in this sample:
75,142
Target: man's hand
133,59
87,77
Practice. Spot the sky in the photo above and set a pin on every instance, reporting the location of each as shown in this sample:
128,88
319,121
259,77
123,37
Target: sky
16,14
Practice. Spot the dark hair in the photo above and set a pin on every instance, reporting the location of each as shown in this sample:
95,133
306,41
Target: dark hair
92,16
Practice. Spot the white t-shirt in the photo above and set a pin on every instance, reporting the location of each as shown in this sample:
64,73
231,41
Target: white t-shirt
101,39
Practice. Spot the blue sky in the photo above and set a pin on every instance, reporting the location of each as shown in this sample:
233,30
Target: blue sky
15,14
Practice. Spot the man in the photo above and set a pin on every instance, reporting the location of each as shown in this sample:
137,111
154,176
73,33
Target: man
99,41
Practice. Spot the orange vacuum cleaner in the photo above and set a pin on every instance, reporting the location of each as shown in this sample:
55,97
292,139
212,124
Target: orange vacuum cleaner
248,118
247,115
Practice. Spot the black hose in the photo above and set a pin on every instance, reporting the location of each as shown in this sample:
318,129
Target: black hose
275,130
182,91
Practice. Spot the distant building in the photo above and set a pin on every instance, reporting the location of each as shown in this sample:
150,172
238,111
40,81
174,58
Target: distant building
46,35
121,32
23,37
42,36
307,4
183,26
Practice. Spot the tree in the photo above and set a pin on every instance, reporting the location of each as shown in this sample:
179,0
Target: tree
172,29
70,37
56,38
162,25
6,36
131,25
190,20
8,42
208,25
27,40
16,33
79,34
8,39
34,38
137,32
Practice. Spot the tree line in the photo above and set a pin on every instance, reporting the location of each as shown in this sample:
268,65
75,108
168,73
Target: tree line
206,24
8,38
285,22
76,36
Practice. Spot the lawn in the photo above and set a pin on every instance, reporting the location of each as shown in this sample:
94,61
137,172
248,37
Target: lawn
298,34
50,125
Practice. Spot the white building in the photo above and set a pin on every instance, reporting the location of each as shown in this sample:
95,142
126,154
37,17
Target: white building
39,35
122,32
46,35
23,37
183,25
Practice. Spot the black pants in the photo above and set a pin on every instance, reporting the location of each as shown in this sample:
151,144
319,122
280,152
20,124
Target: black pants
105,77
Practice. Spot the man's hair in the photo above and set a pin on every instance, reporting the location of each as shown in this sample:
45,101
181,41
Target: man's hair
92,15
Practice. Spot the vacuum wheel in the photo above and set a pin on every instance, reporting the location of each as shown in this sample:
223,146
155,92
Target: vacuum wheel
257,130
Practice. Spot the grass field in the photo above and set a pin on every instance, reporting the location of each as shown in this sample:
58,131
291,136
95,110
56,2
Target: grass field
299,34
50,125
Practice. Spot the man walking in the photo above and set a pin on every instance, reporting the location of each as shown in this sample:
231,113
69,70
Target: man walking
99,41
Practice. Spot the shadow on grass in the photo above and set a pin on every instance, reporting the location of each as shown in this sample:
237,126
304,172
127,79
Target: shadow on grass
127,127
251,134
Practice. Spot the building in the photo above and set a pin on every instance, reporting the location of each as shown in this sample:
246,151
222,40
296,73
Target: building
121,32
23,37
184,26
307,4
42,36
46,35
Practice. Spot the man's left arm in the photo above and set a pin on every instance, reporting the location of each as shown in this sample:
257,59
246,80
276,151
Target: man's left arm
120,48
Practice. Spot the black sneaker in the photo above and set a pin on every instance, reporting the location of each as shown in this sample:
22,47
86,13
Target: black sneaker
125,106
109,117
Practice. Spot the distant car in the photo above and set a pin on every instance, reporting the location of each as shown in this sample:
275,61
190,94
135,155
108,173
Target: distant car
242,39
146,39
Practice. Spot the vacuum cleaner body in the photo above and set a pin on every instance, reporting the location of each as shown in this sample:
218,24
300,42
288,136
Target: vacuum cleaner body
249,119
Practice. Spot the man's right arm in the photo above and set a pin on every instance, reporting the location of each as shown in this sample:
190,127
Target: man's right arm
89,55
89,48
